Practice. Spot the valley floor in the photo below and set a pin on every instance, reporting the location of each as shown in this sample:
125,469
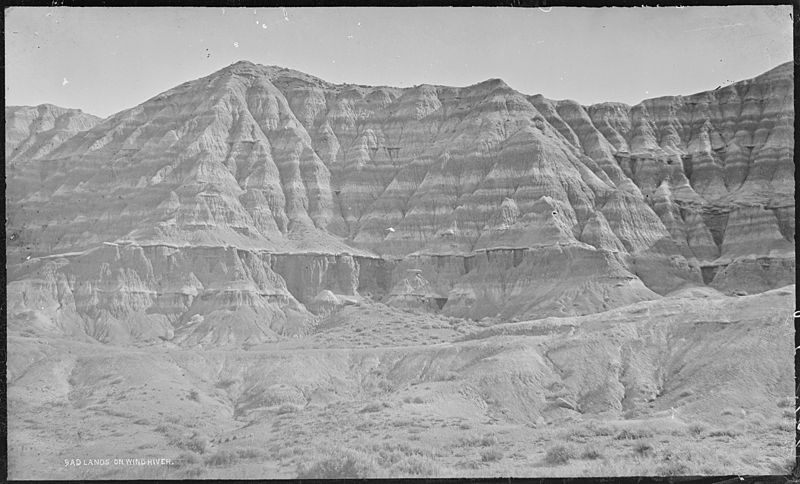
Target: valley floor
679,386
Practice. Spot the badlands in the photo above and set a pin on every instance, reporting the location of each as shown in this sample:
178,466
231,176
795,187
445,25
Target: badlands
260,274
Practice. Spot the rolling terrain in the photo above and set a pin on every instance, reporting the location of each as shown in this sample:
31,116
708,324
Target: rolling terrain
698,384
262,274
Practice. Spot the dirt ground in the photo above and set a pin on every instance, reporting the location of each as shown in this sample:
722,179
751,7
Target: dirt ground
686,385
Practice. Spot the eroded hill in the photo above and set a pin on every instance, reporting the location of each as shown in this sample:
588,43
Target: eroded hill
262,274
216,212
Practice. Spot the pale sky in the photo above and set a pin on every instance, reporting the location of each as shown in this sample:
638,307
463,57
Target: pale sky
104,60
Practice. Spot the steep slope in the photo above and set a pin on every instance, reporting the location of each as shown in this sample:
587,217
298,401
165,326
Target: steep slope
277,185
33,132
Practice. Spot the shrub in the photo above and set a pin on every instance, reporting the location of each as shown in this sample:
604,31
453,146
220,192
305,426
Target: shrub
633,434
789,413
418,400
642,449
450,375
389,454
576,435
248,453
339,464
591,453
417,466
285,453
187,459
194,395
783,466
780,425
490,455
194,472
696,429
372,407
724,433
786,402
197,443
630,414
221,458
756,421
225,383
465,426
600,429
469,464
487,440
287,408
558,455
672,468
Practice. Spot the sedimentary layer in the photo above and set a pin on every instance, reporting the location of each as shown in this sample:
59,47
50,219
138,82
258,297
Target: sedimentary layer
215,212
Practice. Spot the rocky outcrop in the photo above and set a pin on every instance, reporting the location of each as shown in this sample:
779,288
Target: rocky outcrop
550,281
308,274
324,303
282,185
120,294
414,291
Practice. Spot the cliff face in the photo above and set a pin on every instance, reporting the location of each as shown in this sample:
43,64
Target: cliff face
216,211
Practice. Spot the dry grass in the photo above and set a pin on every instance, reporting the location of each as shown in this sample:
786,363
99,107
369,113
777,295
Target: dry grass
697,429
733,433
672,468
221,458
405,440
340,464
372,407
287,408
187,459
591,453
197,443
559,455
643,449
249,453
599,429
633,434
491,454
225,383
487,440
416,466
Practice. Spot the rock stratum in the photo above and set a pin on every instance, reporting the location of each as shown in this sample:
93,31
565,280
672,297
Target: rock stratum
242,207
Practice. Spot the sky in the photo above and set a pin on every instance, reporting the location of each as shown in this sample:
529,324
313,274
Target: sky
104,60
